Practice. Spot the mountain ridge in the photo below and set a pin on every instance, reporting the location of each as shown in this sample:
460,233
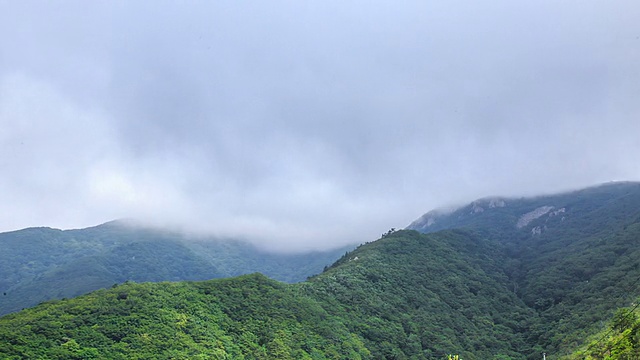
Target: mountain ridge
42,263
483,289
463,215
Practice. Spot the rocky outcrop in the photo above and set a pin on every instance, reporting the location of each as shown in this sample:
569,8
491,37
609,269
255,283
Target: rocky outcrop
532,215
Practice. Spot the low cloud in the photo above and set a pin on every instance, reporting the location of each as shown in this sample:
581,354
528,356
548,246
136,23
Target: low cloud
308,125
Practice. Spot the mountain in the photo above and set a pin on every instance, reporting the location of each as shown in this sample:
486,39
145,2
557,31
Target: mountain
417,296
407,295
502,215
532,275
573,258
250,317
39,264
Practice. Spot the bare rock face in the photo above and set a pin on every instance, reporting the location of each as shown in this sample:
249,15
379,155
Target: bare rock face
497,203
536,231
476,208
532,215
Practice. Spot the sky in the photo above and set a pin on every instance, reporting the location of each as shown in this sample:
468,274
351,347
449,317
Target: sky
304,125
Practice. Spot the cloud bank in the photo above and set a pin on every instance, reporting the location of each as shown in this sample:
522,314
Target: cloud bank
308,125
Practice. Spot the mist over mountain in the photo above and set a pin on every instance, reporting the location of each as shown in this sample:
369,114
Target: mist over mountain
515,214
504,278
307,124
255,144
39,264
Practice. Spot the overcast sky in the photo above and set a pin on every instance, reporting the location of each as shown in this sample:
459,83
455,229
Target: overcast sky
308,124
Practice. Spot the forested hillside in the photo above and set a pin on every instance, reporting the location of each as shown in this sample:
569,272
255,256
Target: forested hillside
419,296
573,258
39,264
530,276
405,296
249,317
620,340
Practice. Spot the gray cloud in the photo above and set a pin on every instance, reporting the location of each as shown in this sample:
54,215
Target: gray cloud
308,125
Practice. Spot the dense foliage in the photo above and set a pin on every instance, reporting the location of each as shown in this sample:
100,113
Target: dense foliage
39,264
620,341
250,317
492,287
573,265
406,296
415,296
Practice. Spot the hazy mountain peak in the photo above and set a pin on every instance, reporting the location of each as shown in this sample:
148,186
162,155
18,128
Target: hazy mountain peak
519,212
430,218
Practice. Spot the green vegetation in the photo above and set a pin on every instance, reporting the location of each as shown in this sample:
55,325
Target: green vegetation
584,263
250,317
40,264
407,296
621,341
415,296
484,289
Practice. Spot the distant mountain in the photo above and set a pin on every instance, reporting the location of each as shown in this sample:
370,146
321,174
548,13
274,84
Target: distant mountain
514,214
510,281
572,257
39,264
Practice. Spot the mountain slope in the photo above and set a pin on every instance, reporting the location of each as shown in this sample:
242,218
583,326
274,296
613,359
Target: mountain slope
249,317
497,287
405,296
424,296
520,217
39,264
573,258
